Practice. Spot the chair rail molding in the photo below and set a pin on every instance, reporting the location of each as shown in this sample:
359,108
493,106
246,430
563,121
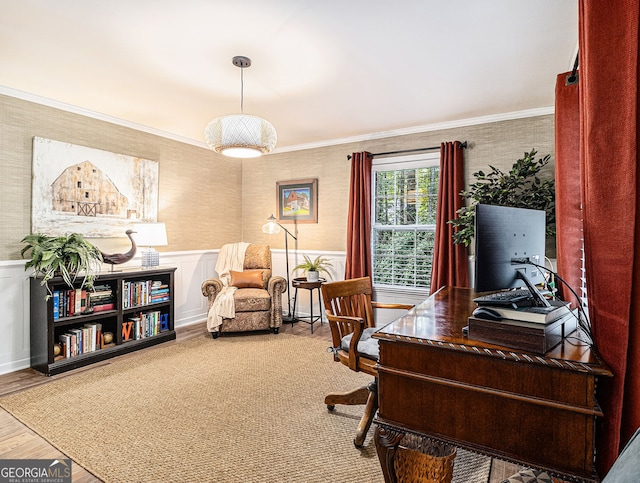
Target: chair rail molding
193,267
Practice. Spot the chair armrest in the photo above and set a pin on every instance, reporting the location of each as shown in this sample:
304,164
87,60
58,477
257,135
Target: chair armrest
341,326
277,285
380,305
211,287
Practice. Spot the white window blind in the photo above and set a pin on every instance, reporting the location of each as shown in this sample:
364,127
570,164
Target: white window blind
405,195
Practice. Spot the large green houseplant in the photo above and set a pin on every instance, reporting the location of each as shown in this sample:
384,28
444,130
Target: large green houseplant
70,257
521,187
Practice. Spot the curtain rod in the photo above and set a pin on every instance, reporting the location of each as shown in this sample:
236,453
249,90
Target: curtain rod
405,151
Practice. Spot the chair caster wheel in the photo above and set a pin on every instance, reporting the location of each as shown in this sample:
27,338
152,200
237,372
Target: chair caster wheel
330,407
215,335
276,330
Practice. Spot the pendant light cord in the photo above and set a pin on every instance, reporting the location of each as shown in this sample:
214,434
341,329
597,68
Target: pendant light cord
242,90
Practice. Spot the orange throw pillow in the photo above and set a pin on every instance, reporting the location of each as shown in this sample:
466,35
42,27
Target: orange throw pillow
247,279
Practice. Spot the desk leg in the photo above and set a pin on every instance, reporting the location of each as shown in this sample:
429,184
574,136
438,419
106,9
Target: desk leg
387,441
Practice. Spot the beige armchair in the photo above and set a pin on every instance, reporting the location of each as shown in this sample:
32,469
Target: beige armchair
256,308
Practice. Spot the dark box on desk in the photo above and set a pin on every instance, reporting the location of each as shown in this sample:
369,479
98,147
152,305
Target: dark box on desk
524,336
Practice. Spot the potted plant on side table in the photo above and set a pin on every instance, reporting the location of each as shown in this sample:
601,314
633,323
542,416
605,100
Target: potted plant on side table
313,268
69,256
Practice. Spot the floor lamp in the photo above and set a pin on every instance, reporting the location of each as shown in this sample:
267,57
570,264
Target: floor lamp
273,227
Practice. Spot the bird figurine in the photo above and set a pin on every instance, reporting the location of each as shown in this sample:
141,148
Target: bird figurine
117,258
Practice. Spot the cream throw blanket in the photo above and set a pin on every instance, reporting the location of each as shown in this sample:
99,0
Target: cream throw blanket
231,257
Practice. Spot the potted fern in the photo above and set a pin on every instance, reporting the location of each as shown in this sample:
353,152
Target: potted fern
70,257
313,268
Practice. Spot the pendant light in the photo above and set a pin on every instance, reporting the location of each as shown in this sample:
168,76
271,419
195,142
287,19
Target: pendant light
241,135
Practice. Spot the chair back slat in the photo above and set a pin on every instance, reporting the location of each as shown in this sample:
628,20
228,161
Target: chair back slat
351,298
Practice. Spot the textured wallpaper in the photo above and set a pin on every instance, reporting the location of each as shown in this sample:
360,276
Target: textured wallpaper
207,200
499,144
200,197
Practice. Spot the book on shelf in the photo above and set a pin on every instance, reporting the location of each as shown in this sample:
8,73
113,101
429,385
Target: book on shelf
143,325
65,340
539,315
101,289
71,302
79,303
56,305
136,293
159,292
82,340
522,335
103,307
143,292
164,322
101,298
95,335
67,303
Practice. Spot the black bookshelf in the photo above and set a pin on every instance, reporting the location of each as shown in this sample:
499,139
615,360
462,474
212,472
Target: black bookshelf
141,315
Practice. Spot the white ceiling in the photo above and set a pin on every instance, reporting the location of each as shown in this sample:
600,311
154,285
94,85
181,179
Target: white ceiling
322,69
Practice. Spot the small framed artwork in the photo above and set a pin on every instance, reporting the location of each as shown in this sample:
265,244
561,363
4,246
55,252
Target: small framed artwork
297,201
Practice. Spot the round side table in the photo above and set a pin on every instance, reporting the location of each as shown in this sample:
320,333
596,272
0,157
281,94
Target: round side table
301,282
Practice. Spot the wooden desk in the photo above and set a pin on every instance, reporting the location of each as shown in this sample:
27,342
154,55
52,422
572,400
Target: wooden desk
533,410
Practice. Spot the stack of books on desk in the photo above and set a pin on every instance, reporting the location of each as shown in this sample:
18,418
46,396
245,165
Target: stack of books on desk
531,329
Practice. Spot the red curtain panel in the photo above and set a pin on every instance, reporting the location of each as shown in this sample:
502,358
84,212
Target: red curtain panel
568,196
358,262
450,262
608,46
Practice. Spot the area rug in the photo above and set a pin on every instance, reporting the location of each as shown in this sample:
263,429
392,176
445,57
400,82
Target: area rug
236,409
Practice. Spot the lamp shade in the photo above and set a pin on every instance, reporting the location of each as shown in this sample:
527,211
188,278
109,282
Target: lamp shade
150,234
271,226
240,136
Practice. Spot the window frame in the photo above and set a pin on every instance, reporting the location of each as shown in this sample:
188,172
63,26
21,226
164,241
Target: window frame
423,160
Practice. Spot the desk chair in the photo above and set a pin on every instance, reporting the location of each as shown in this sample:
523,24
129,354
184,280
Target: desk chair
349,309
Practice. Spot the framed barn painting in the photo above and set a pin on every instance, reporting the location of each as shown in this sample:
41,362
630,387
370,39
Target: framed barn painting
89,191
297,201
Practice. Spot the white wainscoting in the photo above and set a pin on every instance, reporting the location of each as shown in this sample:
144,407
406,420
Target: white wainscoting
14,322
190,306
193,267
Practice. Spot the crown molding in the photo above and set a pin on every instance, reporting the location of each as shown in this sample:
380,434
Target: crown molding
508,116
26,96
8,91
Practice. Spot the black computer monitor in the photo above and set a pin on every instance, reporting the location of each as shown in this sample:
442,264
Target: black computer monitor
506,239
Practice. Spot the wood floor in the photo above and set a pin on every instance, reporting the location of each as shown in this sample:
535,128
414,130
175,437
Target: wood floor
19,442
